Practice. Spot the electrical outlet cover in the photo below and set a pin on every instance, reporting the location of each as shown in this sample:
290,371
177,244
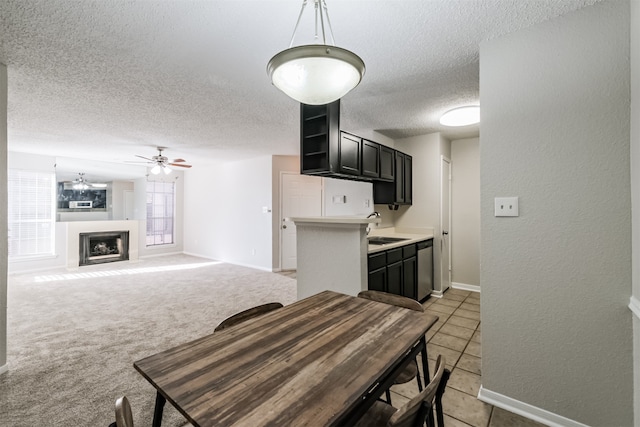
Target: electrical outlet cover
506,206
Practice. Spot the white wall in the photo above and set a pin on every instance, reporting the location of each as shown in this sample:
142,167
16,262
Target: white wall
225,219
635,195
465,211
426,152
358,196
556,333
3,218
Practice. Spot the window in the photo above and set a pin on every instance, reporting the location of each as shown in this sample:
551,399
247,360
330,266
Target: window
31,213
160,212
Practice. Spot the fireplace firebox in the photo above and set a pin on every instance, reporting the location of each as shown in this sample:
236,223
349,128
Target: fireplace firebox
104,246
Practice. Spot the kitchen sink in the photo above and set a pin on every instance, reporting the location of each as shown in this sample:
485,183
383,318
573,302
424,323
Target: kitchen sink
379,240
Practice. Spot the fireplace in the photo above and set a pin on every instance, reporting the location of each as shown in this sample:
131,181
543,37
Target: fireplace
104,246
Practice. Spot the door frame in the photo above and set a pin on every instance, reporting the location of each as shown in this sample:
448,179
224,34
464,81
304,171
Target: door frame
280,218
444,159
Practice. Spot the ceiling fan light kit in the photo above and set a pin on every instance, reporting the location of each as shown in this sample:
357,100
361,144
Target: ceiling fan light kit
81,183
161,163
316,74
461,116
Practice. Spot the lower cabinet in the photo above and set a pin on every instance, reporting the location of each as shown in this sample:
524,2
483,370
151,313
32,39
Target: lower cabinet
394,271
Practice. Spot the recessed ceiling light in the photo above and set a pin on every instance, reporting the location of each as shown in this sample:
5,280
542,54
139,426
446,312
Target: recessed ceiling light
462,116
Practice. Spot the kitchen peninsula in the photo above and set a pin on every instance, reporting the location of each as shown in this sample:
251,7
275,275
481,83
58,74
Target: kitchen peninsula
332,252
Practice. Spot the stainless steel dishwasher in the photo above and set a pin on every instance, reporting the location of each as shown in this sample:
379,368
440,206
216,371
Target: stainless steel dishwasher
425,269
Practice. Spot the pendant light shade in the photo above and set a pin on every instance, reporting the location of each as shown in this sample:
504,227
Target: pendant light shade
316,74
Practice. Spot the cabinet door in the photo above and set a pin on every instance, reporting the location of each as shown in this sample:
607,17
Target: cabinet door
370,159
349,156
408,180
409,277
399,177
394,278
387,163
378,280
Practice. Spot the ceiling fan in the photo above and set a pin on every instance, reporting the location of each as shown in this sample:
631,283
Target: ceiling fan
162,163
81,183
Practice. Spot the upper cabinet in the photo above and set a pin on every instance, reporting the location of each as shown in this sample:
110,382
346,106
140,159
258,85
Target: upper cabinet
325,150
319,129
400,190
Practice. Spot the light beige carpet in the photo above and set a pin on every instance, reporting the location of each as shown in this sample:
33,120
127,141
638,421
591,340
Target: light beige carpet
73,335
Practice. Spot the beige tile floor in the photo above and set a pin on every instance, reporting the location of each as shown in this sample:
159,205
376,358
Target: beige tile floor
456,335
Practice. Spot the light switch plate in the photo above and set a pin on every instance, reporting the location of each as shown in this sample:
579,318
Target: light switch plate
337,200
506,206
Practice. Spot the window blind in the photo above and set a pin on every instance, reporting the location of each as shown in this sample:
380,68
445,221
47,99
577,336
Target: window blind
160,213
31,213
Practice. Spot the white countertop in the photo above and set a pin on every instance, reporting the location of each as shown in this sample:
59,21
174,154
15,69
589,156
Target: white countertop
390,232
335,220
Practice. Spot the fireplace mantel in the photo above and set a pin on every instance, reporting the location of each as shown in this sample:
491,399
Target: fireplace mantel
74,228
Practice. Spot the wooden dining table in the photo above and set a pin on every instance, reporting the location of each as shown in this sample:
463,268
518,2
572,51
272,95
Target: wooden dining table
320,361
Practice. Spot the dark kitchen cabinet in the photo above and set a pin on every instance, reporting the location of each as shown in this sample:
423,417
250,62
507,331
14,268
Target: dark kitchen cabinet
387,163
349,160
370,159
378,279
409,277
398,192
319,137
394,271
325,150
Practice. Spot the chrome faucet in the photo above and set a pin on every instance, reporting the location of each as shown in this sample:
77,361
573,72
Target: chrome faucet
373,214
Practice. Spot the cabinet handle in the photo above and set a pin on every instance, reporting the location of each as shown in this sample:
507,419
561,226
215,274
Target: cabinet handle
444,233
284,226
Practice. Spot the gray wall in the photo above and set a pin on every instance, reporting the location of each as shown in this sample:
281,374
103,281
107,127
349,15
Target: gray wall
425,210
556,281
465,211
3,217
635,193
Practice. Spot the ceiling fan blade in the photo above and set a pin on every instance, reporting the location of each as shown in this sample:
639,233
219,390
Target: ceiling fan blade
146,158
179,165
178,161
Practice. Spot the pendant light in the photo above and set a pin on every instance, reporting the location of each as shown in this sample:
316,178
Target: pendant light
316,74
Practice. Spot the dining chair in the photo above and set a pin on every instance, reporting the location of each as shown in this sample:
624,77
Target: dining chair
247,314
417,411
124,417
411,370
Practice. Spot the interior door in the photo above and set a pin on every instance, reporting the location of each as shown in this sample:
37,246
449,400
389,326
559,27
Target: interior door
445,224
301,195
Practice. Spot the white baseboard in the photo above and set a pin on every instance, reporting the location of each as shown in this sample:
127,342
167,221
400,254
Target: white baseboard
465,287
4,368
634,305
528,411
437,294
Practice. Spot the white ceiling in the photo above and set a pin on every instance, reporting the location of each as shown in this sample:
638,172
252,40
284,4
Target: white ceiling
108,79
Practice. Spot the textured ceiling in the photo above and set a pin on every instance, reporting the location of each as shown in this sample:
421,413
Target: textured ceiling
108,79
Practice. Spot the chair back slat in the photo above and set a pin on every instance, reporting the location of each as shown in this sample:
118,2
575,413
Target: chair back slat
124,417
417,409
387,298
247,314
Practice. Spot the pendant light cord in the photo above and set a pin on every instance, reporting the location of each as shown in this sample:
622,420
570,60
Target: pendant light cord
320,9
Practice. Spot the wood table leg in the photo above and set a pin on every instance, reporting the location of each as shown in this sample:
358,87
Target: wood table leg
157,412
